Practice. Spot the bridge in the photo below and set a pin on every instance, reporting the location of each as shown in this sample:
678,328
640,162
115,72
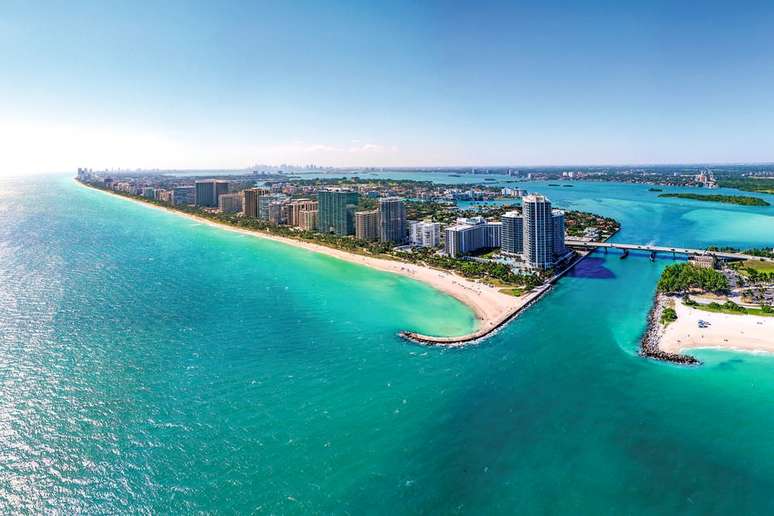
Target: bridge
653,249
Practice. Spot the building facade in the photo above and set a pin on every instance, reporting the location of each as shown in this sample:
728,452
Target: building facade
307,220
296,207
425,234
470,235
208,191
367,225
230,202
184,195
392,220
538,232
557,223
513,233
278,212
335,212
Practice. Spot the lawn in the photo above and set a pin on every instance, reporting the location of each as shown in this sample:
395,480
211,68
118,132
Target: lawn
723,310
758,265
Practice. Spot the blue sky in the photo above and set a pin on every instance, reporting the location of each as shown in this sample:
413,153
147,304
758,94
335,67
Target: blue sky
228,84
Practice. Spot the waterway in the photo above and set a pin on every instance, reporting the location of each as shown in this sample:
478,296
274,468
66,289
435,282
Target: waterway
149,363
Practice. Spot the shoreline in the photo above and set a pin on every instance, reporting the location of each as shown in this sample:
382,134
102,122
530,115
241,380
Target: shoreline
650,345
491,308
726,332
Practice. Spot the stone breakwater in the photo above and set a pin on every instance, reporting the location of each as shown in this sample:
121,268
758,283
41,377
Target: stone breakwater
649,345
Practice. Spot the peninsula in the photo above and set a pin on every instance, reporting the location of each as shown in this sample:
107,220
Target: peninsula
697,306
494,283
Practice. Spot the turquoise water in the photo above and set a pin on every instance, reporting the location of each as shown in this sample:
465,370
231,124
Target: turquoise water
152,364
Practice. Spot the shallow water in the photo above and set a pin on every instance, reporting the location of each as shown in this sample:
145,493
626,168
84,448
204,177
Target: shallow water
152,363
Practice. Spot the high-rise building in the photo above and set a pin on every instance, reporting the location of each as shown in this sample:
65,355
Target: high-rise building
538,232
513,233
278,212
308,220
425,234
149,192
230,202
557,222
250,201
208,191
184,195
472,234
296,207
165,195
367,225
335,213
392,220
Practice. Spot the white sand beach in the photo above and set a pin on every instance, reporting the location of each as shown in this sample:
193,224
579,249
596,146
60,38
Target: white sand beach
490,306
737,332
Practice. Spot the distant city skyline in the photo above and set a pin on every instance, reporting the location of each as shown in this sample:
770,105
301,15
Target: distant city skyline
193,85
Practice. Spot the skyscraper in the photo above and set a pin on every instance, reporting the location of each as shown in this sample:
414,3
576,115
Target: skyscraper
336,211
367,225
513,233
557,222
392,220
208,190
538,232
250,201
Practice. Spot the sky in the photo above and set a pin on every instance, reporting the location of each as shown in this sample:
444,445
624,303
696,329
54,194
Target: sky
208,85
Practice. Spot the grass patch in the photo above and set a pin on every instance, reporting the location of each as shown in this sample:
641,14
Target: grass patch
758,265
513,291
737,310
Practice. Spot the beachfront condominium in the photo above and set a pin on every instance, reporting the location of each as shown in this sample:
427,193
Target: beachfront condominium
425,234
183,195
538,232
557,224
513,233
470,235
392,220
367,225
296,206
278,212
335,212
307,220
230,202
250,201
208,191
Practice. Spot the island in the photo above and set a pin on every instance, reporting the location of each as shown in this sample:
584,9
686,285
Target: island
390,225
697,306
744,200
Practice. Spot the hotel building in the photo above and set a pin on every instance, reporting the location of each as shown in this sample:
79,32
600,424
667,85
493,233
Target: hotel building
392,220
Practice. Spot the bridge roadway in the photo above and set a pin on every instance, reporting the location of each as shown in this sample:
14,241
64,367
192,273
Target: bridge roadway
661,249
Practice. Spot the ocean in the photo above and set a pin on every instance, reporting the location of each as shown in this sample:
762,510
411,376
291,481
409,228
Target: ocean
149,363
